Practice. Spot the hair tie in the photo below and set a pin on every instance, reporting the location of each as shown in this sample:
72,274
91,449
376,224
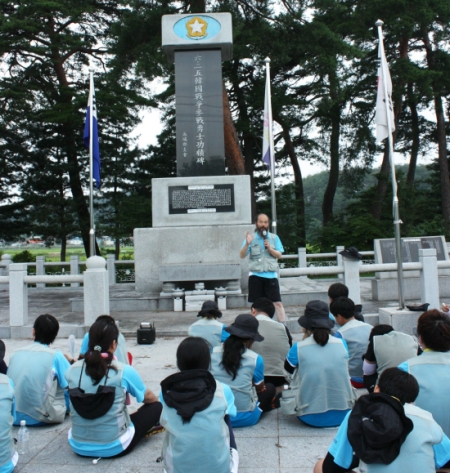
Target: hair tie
98,348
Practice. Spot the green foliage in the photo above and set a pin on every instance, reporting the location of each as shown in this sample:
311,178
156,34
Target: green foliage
24,256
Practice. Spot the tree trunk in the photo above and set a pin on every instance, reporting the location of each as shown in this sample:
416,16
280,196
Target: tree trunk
63,248
443,162
415,136
383,176
249,142
65,100
117,248
233,154
298,179
441,137
333,177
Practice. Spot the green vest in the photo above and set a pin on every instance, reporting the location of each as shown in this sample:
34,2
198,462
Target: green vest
260,260
208,329
242,386
432,371
356,334
321,381
6,421
38,393
115,422
203,444
274,347
392,349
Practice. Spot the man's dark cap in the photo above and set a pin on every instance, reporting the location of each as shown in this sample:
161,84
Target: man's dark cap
245,326
352,253
211,308
317,315
377,428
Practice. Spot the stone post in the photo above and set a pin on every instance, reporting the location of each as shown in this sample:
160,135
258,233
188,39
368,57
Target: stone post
74,268
429,281
339,258
302,262
4,270
18,295
96,289
111,267
40,269
351,279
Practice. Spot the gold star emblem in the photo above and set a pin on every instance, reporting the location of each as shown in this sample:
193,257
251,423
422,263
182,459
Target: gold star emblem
196,27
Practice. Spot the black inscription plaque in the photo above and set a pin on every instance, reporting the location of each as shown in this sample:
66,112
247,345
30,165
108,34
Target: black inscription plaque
410,249
199,113
201,199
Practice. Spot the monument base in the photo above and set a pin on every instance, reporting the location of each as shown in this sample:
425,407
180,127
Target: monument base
401,320
387,289
155,249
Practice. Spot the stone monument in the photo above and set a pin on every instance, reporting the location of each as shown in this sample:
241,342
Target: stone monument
201,216
385,284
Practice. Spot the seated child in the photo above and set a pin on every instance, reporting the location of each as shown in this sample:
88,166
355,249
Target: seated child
355,333
387,349
37,372
208,327
319,364
432,367
8,454
336,290
121,352
276,344
235,364
198,434
387,433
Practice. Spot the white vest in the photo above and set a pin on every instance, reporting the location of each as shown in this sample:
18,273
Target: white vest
203,444
356,334
38,393
432,371
274,347
321,382
242,386
208,329
6,421
392,349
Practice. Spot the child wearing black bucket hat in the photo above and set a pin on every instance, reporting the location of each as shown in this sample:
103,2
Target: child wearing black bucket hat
235,364
208,327
387,433
320,393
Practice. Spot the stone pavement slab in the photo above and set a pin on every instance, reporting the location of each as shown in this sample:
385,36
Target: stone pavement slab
277,444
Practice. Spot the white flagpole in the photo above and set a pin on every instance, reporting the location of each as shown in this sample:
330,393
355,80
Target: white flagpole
395,209
91,164
272,151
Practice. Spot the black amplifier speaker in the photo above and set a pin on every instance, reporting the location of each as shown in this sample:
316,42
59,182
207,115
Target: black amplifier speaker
146,333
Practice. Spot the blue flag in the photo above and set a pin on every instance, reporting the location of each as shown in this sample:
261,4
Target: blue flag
86,134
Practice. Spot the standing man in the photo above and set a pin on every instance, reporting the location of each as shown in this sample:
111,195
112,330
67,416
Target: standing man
264,250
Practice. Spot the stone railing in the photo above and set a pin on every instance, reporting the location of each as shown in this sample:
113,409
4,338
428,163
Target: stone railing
95,287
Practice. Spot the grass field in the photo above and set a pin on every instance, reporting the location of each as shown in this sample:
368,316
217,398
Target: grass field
53,254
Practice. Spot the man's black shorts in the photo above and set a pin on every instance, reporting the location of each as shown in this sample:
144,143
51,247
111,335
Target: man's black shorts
263,287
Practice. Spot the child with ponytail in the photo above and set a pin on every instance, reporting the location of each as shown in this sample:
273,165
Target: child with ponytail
98,384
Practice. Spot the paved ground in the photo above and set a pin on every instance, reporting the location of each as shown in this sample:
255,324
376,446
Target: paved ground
278,444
